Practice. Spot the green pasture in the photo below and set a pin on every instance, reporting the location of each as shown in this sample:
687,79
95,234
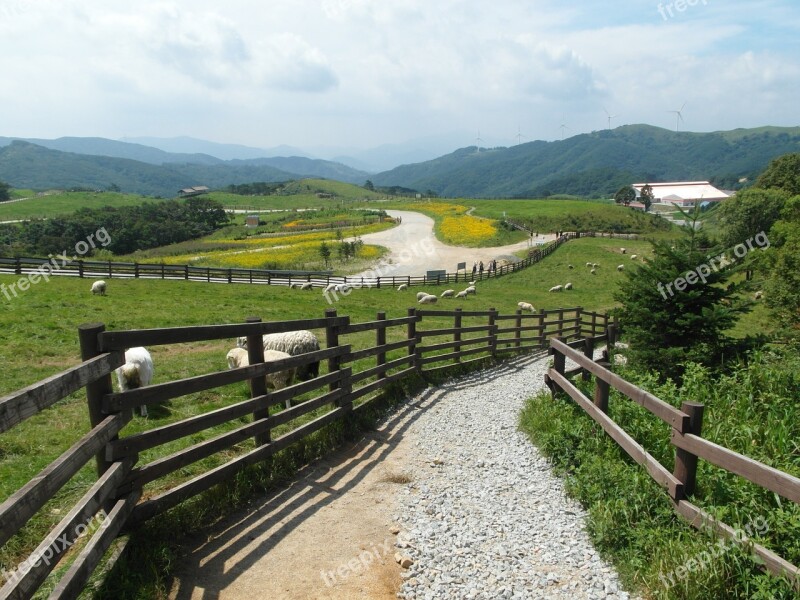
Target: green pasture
61,203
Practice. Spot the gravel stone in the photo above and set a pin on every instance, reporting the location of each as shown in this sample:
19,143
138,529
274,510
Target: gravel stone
484,516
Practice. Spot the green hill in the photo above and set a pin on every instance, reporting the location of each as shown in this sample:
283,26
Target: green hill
598,163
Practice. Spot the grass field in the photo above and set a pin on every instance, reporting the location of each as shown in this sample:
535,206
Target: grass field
61,203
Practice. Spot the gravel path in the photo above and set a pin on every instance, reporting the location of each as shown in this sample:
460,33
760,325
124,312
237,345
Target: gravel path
484,516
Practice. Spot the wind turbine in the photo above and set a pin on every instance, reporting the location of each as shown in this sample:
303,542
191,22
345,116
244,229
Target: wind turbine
563,127
519,135
610,116
478,141
678,116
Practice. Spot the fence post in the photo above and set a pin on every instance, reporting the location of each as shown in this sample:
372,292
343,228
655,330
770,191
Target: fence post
208,274
493,332
136,270
612,336
588,352
594,323
579,322
412,335
17,266
686,462
380,340
457,316
559,365
518,332
110,273
80,269
88,337
258,385
331,341
542,328
162,270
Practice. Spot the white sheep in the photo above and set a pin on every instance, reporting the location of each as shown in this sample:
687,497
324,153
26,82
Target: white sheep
623,250
293,343
421,295
589,265
402,287
593,271
307,286
99,287
620,267
137,372
461,294
570,267
471,290
758,295
526,306
330,287
595,265
556,288
448,294
429,299
294,286
471,283
633,256
238,357
567,286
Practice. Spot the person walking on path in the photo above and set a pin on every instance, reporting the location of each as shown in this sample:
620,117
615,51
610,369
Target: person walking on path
474,269
480,269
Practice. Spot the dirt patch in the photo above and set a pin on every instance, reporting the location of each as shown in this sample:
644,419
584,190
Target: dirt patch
328,535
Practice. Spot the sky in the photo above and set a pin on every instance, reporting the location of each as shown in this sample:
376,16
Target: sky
362,73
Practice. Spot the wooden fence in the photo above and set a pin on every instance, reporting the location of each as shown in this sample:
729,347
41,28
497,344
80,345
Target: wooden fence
686,424
148,471
319,279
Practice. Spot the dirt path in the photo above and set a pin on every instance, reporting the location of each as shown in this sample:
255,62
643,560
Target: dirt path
414,249
326,536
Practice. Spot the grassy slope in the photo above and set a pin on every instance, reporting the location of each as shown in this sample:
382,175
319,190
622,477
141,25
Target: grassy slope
60,203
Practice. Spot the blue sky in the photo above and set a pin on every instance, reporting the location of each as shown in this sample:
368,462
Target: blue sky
360,73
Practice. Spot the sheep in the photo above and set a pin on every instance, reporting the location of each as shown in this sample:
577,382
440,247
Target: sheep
570,267
461,294
620,267
567,286
595,265
593,271
471,290
343,288
402,287
99,287
429,299
526,306
238,357
633,256
589,265
623,250
556,288
448,294
421,295
293,343
294,286
471,283
307,286
758,295
137,372
329,288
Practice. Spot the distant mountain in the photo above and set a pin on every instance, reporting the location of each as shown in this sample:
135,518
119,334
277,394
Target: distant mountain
598,163
190,145
97,146
26,165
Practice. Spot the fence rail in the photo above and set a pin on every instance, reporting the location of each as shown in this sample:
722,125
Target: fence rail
686,424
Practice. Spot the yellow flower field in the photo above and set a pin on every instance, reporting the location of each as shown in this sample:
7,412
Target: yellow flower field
466,230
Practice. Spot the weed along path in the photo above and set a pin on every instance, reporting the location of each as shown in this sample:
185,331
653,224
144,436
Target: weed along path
446,484
414,249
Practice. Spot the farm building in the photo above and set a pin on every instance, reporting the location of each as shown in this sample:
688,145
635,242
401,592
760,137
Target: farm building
683,193
193,191
251,221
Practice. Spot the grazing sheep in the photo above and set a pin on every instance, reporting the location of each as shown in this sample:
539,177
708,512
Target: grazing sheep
461,294
570,267
137,372
589,265
556,288
421,295
448,294
471,283
593,271
428,299
620,359
526,306
402,287
623,250
294,286
293,343
633,256
620,267
307,286
567,286
99,287
330,287
595,265
238,357
758,295
343,288
471,290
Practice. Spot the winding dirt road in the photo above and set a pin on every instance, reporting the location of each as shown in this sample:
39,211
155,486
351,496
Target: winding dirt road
414,249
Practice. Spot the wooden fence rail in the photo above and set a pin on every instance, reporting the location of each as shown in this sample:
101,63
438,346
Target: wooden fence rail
239,434
686,424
